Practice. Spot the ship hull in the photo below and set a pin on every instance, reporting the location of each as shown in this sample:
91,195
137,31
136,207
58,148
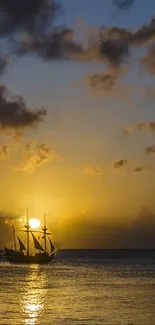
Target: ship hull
17,257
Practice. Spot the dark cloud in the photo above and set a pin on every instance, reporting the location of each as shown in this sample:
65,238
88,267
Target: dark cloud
114,51
114,43
120,163
24,19
138,169
26,16
31,27
119,41
54,45
124,4
150,149
14,114
144,35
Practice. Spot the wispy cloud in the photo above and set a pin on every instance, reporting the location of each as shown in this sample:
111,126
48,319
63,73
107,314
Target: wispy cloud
95,169
142,126
4,151
36,154
141,168
107,85
122,164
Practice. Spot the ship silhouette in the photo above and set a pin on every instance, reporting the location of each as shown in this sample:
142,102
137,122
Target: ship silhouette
23,254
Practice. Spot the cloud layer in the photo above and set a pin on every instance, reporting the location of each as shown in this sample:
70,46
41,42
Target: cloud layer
14,113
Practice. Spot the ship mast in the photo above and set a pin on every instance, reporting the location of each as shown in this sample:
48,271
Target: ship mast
27,226
14,239
44,229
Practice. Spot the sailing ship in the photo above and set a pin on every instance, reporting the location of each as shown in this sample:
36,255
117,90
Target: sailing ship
41,257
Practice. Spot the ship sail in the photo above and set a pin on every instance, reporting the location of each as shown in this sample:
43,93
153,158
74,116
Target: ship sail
37,244
22,247
52,246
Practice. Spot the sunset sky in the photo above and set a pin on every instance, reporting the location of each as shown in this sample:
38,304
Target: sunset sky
97,142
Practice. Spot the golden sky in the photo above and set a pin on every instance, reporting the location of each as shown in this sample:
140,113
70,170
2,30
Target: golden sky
79,144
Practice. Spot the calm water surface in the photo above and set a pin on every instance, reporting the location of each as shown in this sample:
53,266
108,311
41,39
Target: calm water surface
81,288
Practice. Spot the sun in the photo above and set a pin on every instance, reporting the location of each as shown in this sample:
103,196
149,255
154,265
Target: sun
34,223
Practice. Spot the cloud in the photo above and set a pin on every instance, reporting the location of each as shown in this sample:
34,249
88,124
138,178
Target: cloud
105,84
148,62
116,42
141,168
114,51
14,113
102,81
140,127
4,151
100,169
36,154
113,44
150,149
53,45
95,169
138,169
19,19
144,35
25,16
124,4
30,27
120,163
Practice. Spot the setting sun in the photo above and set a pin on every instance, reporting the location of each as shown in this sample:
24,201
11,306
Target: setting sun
34,223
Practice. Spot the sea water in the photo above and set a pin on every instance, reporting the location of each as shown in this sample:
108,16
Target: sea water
86,287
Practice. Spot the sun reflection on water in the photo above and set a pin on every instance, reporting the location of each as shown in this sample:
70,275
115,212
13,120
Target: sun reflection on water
33,297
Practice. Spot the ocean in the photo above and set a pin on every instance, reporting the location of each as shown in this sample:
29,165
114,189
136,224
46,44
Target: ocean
81,287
